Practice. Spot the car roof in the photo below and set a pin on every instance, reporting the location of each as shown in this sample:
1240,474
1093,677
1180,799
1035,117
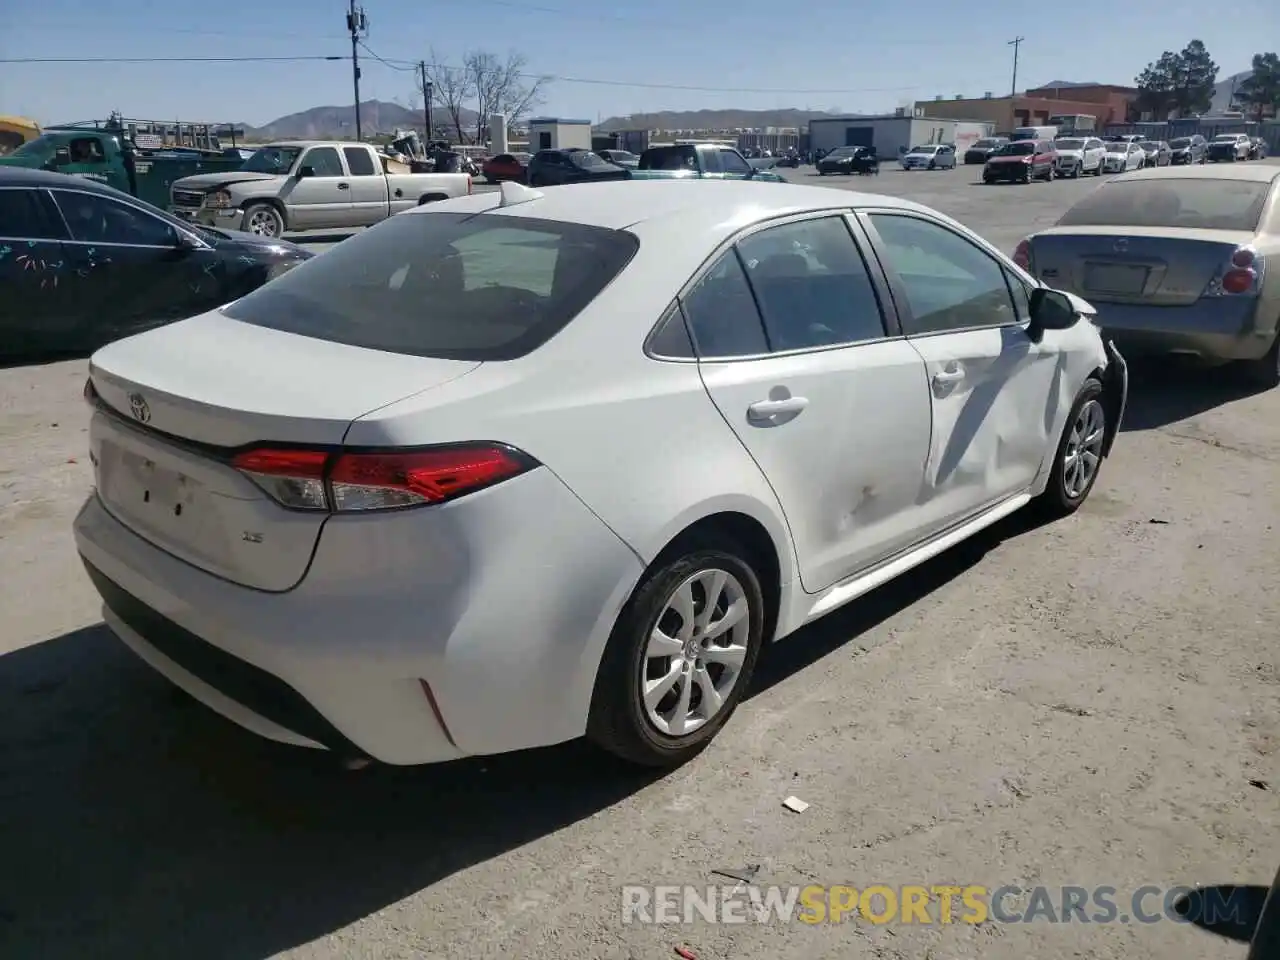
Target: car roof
619,204
1256,173
23,177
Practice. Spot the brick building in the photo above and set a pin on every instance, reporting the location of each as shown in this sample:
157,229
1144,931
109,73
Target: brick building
1109,103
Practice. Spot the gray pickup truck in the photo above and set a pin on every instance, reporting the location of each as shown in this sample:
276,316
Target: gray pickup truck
308,185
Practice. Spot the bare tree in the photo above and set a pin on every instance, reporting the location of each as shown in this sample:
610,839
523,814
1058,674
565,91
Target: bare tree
501,86
453,88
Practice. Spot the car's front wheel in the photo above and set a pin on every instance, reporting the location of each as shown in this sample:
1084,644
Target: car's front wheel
264,220
680,657
1079,455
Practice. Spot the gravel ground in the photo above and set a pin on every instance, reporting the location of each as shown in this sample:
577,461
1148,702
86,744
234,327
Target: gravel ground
1089,702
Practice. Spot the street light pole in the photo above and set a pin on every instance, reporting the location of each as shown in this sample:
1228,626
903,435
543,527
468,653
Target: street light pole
357,26
1016,42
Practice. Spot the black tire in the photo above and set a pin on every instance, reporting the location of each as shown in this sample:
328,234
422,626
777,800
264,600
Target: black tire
932,165
535,181
1056,501
618,722
264,212
1264,372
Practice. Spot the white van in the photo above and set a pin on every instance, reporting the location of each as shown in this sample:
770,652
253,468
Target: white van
1033,133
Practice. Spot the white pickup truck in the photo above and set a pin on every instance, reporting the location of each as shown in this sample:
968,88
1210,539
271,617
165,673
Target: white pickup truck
308,185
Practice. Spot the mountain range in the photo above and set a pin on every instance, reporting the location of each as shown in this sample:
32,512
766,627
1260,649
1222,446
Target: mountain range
381,116
326,123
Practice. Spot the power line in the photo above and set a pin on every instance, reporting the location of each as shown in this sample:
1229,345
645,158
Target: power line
164,59
387,63
411,65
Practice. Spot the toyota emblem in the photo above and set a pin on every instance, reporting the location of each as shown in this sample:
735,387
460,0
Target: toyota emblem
1122,245
138,407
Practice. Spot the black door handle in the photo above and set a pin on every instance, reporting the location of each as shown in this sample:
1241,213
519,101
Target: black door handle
344,186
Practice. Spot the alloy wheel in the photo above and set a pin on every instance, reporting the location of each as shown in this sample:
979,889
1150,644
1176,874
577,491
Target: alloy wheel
262,223
695,653
1084,449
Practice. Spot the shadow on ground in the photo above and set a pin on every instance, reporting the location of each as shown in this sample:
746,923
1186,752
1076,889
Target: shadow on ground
1229,910
136,824
1163,392
40,359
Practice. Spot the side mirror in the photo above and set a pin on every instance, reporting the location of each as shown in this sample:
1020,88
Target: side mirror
186,242
1050,310
306,172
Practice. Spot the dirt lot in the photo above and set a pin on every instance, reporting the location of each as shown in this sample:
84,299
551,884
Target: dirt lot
1093,702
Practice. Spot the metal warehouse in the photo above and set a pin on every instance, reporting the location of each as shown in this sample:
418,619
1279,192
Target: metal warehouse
892,134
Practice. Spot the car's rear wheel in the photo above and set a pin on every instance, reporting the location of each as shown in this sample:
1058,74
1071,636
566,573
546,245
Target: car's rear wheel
1079,455
680,657
1265,371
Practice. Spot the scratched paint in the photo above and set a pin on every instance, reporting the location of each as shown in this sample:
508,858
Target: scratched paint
46,269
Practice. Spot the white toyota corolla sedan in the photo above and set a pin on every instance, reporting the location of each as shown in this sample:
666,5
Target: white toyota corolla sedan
517,467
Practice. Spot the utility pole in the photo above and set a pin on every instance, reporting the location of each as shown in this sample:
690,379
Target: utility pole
357,26
1016,42
428,88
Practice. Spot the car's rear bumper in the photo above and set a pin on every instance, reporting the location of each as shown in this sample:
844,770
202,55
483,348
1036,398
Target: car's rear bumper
1007,173
471,628
1213,329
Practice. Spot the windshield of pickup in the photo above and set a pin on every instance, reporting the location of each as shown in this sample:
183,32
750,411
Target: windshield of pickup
669,158
41,148
271,160
1021,148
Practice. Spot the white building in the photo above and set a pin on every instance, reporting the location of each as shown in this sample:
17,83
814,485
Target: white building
892,134
556,133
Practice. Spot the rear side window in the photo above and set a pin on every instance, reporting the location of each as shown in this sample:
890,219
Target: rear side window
26,215
454,286
1201,204
358,161
812,285
722,312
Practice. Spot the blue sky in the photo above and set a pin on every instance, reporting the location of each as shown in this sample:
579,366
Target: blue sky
756,54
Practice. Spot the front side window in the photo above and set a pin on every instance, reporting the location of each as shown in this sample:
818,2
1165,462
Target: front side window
722,312
950,283
324,161
732,162
93,218
454,286
812,285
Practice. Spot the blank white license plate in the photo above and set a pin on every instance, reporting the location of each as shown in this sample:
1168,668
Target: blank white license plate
1115,278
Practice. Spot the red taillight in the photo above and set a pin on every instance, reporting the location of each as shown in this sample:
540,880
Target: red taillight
1238,281
1022,255
379,480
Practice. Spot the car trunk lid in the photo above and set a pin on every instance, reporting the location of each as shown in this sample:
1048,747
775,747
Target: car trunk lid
175,404
1133,264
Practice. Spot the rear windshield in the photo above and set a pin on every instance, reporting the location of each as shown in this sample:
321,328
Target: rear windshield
1201,204
453,286
669,158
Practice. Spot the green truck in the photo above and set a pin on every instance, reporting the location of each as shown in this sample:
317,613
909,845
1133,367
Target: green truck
698,161
129,155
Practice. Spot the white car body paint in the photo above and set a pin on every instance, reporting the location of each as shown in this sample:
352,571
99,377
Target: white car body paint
503,600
